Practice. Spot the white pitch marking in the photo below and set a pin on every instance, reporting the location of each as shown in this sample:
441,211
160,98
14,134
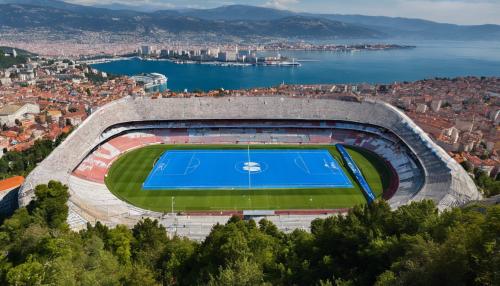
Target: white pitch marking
189,164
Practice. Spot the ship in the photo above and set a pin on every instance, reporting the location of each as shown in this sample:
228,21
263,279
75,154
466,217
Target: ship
152,82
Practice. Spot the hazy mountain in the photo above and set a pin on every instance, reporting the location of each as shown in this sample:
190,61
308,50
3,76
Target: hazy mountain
234,20
237,12
420,29
59,17
51,3
27,16
299,26
391,26
61,5
150,7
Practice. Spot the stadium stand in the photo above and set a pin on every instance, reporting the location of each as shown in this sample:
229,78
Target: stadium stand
370,197
424,170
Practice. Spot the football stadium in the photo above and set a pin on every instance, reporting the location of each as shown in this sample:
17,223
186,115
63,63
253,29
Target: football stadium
194,162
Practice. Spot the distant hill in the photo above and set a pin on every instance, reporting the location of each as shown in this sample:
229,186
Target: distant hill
49,3
121,6
6,62
392,27
238,12
233,20
418,29
299,26
61,5
20,52
55,15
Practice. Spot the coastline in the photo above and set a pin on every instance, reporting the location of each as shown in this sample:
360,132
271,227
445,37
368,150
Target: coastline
284,63
426,61
190,62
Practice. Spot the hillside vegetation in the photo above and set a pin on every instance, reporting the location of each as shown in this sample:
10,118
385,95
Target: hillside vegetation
7,62
414,245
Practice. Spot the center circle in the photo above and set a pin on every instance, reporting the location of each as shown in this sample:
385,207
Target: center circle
251,167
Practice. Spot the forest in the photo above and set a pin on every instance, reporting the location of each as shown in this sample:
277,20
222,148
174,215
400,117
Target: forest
370,245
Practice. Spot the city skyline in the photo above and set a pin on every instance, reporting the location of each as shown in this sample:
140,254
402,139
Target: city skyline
465,12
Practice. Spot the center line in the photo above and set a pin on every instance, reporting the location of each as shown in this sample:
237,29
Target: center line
249,169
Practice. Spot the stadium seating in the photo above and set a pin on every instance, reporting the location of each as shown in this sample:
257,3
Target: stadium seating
96,165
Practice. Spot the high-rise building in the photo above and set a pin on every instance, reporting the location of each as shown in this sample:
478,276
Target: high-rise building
227,56
146,50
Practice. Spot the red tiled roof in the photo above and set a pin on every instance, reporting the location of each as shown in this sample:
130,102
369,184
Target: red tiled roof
11,183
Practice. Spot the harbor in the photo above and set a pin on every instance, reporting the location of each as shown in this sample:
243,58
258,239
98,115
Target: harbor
219,57
428,60
270,63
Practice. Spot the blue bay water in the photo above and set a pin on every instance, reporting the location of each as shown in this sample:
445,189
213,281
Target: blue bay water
430,59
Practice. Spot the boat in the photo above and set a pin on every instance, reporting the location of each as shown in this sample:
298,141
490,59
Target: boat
290,64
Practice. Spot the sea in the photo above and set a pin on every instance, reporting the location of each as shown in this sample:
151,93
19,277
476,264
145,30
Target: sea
429,59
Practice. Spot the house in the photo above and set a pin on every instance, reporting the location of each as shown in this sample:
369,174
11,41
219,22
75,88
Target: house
10,113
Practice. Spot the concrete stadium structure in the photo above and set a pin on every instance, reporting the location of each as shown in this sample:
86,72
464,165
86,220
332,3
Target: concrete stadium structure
426,173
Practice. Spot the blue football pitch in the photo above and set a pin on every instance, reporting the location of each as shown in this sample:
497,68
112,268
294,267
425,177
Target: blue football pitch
246,169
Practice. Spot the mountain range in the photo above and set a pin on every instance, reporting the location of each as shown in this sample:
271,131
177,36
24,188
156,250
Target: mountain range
234,20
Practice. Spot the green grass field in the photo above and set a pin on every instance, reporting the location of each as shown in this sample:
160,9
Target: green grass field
127,174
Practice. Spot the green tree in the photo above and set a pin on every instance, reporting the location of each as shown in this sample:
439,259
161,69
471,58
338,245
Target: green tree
371,244
120,240
50,204
234,243
150,238
176,259
140,275
241,272
28,273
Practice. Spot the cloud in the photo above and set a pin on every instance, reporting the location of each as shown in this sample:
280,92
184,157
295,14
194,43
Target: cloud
280,4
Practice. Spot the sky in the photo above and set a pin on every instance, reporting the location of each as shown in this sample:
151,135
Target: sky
449,11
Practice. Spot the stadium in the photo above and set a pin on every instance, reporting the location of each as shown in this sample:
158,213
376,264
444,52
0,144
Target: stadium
193,162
